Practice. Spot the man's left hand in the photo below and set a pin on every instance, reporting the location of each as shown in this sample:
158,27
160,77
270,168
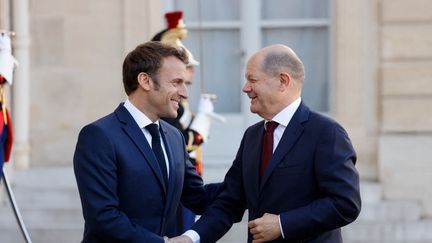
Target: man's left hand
265,228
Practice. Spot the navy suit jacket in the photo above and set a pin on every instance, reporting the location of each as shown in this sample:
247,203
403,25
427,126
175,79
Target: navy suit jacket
311,182
123,196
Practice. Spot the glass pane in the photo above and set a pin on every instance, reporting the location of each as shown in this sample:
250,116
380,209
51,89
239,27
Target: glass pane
294,9
311,45
221,65
222,10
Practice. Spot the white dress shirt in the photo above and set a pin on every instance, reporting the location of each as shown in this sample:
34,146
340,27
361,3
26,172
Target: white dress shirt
283,118
142,120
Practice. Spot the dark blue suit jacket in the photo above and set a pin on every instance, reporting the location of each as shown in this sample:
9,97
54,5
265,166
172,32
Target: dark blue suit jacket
311,182
122,192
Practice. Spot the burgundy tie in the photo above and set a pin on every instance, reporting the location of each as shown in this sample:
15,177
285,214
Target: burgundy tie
267,149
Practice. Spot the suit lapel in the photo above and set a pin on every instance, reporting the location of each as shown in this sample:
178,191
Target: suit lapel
136,135
290,136
253,159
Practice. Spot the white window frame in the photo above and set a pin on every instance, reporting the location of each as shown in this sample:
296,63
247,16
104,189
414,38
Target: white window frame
251,26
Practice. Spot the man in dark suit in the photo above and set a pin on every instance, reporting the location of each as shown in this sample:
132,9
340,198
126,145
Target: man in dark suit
294,171
131,168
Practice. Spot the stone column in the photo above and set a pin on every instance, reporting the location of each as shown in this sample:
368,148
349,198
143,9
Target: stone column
251,42
354,91
21,86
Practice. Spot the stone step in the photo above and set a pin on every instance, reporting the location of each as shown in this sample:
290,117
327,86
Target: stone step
386,232
44,225
50,207
49,219
371,192
394,211
45,177
58,235
45,198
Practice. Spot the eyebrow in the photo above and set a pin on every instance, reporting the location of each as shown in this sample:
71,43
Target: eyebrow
250,76
178,80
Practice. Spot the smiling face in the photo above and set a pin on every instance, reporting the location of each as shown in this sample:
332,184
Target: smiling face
165,93
263,89
274,79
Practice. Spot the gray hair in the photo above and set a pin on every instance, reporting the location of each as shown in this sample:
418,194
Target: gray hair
277,62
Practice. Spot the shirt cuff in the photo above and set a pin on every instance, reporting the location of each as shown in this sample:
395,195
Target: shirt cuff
193,235
280,226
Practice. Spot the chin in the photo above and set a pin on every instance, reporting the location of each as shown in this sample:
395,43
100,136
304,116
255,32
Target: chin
172,114
253,109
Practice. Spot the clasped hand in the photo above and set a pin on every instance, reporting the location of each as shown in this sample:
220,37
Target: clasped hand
265,228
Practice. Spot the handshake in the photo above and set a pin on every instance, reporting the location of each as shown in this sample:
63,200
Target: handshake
178,239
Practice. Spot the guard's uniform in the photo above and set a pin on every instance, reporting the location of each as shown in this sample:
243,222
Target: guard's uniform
7,64
6,138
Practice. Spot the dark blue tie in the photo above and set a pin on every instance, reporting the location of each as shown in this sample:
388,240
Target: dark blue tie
157,149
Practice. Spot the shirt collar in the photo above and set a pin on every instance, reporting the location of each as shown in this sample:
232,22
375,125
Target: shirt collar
140,118
285,115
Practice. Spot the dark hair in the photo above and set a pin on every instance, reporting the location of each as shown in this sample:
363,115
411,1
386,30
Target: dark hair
147,58
276,62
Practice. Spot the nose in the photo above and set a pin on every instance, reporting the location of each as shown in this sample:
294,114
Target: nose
246,88
182,91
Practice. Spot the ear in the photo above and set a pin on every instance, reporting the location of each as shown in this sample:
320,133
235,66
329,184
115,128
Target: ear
144,81
285,80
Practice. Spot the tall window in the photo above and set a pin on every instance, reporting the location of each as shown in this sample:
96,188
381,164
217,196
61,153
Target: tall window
218,41
304,26
215,36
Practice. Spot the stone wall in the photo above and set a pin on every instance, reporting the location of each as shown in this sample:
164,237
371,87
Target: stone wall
405,79
354,92
77,52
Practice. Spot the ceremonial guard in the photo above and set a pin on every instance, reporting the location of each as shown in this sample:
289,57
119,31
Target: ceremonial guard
7,64
195,127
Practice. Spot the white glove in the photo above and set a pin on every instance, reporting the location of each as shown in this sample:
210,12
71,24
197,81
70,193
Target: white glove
201,122
7,61
205,104
207,107
186,118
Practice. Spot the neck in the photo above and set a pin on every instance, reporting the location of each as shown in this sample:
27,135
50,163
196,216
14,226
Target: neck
142,105
278,108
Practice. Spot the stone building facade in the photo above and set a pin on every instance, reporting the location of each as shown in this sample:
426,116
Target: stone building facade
381,90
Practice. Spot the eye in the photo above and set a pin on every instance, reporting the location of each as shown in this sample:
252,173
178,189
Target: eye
177,82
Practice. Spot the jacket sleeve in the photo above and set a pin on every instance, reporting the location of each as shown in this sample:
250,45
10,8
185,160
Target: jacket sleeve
338,182
95,171
229,206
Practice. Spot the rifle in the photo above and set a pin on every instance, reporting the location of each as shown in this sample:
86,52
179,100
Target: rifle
16,209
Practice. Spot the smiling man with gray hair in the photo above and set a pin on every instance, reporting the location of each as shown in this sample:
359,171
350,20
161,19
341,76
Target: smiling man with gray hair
294,170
